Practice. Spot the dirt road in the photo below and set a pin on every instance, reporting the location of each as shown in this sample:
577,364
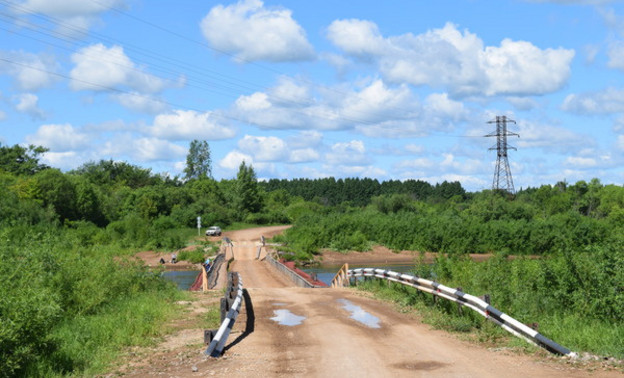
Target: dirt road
289,331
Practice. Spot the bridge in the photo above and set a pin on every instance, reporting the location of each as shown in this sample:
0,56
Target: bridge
282,329
298,331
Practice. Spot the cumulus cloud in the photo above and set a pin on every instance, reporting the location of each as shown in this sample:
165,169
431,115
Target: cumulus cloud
348,153
458,61
264,148
152,149
610,100
189,124
303,155
76,16
28,103
250,31
142,149
373,109
31,72
99,68
550,138
59,138
140,103
233,160
63,160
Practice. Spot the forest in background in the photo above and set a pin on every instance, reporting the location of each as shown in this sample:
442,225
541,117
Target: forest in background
65,238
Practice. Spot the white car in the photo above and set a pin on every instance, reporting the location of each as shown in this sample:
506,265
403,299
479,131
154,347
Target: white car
213,231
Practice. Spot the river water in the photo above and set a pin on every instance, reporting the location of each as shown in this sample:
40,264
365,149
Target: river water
326,273
183,278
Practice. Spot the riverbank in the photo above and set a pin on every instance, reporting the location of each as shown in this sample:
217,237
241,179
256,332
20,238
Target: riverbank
383,255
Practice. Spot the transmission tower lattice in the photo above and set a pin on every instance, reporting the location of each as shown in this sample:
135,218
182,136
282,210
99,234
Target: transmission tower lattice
502,173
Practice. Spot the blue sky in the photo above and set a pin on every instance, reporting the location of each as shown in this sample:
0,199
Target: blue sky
389,90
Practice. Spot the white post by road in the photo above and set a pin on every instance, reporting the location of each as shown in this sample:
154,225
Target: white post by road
198,226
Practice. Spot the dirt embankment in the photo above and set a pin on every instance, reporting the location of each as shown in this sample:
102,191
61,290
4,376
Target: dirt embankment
382,255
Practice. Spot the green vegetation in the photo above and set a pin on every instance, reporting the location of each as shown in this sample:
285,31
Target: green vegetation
577,299
71,298
67,284
536,222
569,279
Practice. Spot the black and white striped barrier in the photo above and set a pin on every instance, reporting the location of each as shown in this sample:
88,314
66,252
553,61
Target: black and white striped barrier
505,321
215,349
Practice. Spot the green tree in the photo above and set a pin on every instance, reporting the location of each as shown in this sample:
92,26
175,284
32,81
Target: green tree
109,172
20,160
198,161
56,190
248,198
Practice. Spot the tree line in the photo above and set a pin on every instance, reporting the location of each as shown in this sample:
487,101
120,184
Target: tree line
64,235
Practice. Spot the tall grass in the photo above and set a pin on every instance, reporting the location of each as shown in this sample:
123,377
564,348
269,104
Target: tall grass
67,308
577,299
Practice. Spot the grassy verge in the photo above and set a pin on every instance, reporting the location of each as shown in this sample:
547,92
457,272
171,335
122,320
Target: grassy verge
513,291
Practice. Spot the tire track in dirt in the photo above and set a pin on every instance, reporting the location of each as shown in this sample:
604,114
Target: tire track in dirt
329,343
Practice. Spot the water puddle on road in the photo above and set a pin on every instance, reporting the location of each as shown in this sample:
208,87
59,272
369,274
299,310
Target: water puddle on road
358,314
287,318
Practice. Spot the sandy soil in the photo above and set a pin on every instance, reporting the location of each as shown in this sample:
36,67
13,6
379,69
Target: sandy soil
383,255
329,342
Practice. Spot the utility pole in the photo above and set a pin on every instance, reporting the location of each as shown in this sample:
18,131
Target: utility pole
502,173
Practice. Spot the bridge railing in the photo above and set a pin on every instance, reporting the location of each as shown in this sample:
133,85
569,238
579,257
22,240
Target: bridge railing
341,278
508,323
232,303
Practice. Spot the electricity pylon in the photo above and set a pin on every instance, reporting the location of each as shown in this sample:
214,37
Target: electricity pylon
502,173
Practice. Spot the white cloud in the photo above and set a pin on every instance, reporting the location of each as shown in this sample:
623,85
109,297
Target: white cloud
373,109
305,139
251,32
75,16
522,103
459,61
70,8
63,160
99,68
142,149
610,100
153,149
414,149
420,163
549,138
303,155
59,138
580,162
233,160
189,124
140,103
2,116
28,103
30,71
616,55
272,149
351,153
264,149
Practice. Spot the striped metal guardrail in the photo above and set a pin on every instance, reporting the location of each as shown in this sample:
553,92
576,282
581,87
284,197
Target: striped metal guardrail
233,302
508,323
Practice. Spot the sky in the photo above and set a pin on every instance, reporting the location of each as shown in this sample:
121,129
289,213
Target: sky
390,90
